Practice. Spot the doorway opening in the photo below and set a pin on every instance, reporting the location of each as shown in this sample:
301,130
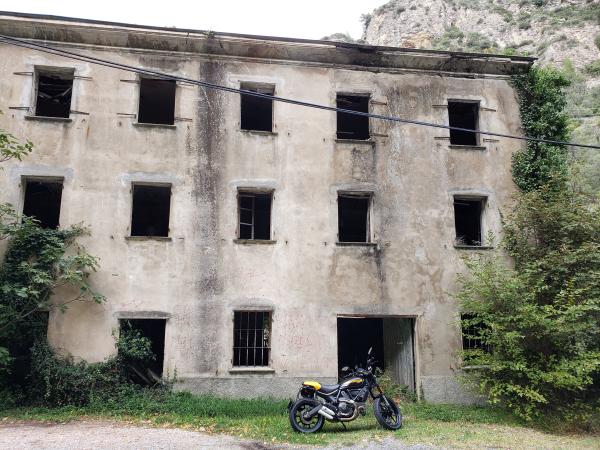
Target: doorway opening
392,340
146,372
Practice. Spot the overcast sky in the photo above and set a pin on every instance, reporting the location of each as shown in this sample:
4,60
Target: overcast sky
310,19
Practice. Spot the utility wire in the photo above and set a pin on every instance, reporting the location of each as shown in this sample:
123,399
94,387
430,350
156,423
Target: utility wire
103,62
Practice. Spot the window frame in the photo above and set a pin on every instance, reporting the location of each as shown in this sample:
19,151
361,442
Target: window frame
257,86
59,70
368,96
483,200
269,361
369,231
25,179
139,99
475,102
249,192
132,192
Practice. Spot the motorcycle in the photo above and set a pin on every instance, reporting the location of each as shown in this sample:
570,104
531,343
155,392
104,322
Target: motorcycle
343,402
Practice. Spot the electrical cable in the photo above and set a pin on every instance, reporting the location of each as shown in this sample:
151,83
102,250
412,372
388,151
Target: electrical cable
103,62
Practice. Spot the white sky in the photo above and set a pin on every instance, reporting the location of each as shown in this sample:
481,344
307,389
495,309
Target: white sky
311,19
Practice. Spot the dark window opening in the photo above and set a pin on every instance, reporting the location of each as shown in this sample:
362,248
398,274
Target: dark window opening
255,215
251,338
473,333
157,101
467,219
146,371
353,218
351,126
392,340
42,202
54,91
463,115
257,112
150,213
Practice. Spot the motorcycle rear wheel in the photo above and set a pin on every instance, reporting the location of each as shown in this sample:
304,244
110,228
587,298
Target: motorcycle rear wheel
301,424
387,413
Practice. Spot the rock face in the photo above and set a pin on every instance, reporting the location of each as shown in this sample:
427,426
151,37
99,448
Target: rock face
553,30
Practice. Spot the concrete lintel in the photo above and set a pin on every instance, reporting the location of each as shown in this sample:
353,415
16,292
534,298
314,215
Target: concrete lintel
266,184
20,171
148,177
141,315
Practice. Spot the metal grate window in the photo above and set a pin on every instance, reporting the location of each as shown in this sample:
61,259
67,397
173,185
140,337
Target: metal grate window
472,333
251,338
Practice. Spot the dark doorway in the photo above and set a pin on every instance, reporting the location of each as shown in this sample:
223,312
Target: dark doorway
157,101
154,329
392,342
42,202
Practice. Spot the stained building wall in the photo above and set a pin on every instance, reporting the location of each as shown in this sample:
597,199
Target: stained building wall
200,275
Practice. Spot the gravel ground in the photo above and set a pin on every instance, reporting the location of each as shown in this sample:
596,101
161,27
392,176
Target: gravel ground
113,436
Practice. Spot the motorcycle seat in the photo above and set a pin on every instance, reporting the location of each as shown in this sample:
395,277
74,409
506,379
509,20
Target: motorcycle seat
329,388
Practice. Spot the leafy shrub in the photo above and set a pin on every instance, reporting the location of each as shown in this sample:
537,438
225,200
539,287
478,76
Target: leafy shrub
597,41
593,68
393,389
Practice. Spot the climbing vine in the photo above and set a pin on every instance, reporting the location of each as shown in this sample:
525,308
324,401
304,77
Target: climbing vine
542,106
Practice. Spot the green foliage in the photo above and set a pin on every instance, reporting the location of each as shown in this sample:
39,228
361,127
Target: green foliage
393,389
36,262
593,68
541,318
542,103
597,41
11,147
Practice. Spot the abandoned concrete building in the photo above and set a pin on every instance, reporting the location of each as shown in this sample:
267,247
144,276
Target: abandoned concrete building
259,243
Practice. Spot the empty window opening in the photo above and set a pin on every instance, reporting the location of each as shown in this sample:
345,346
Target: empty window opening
468,221
157,101
351,126
353,217
42,202
463,115
145,371
251,338
392,342
54,91
255,215
257,112
150,212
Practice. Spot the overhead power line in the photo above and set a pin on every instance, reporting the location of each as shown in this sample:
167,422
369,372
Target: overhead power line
103,62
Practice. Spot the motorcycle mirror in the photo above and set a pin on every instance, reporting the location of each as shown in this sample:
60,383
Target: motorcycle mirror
370,350
345,368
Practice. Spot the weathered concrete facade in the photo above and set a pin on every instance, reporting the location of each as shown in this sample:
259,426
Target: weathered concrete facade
198,276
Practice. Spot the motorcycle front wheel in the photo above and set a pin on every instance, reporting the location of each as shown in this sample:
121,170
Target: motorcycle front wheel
387,413
299,422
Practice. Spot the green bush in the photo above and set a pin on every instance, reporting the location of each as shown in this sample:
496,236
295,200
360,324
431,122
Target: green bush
597,41
593,68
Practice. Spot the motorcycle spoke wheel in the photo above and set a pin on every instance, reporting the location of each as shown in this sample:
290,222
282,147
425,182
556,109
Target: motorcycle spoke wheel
387,413
301,423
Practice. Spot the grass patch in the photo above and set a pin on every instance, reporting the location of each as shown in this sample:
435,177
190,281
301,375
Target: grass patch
266,420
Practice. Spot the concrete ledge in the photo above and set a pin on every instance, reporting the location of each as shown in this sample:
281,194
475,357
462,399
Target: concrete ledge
148,238
369,141
356,244
254,242
49,119
154,125
247,370
473,247
259,133
141,315
467,147
251,386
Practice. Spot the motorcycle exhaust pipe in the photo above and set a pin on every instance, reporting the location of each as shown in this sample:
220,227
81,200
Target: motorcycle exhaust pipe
310,414
326,412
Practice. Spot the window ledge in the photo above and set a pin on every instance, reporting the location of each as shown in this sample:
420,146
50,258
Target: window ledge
254,241
356,244
148,238
49,119
154,125
467,147
259,132
475,367
356,141
254,369
473,247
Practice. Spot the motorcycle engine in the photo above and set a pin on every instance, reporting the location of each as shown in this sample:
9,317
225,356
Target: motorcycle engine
345,409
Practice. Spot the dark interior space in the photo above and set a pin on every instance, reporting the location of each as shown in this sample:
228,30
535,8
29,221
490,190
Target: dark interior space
257,112
471,332
463,115
251,338
255,215
150,214
157,101
350,126
467,218
354,337
54,92
42,202
353,221
148,372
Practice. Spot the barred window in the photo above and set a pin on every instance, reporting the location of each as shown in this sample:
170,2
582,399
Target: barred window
251,338
472,330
